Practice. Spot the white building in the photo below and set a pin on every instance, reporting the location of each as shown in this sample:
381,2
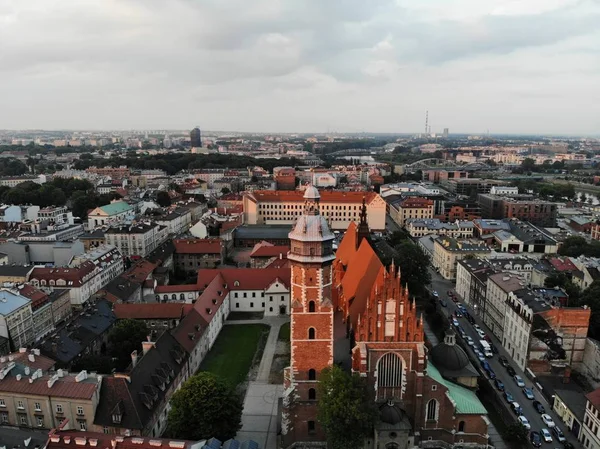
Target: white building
418,227
590,434
13,181
16,318
177,221
112,214
504,190
499,286
137,240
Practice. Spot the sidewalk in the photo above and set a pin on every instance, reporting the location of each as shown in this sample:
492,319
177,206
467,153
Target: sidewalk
260,417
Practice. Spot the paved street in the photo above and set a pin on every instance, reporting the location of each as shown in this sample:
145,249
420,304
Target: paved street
442,286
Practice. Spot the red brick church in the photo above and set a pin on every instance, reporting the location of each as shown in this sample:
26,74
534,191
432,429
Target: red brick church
348,308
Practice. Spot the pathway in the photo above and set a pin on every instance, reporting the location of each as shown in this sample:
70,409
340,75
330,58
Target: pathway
260,416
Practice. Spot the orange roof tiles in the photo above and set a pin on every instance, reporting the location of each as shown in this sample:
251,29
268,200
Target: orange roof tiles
74,275
198,246
327,196
245,278
190,330
140,271
65,387
270,251
171,310
347,247
594,398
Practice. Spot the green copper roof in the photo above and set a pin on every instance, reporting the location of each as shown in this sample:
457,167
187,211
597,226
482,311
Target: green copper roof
467,402
116,208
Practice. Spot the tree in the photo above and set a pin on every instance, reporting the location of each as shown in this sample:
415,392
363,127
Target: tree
528,164
205,407
516,433
345,411
576,246
225,190
163,199
254,178
413,264
125,337
591,298
562,281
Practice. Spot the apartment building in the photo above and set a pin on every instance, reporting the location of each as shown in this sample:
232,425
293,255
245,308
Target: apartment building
112,172
18,213
32,398
158,317
471,282
418,227
137,240
113,214
469,186
285,178
499,286
16,318
58,215
13,181
193,254
447,251
271,207
177,221
107,258
523,207
590,434
411,208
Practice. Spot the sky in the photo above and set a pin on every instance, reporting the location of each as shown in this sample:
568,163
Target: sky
507,66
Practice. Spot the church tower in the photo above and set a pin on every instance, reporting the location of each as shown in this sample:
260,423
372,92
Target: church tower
311,257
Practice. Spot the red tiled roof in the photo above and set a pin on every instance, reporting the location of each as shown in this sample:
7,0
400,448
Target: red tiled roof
105,441
211,299
171,310
248,278
189,330
347,247
327,196
237,209
270,251
74,275
176,288
37,296
65,387
594,398
279,263
564,264
416,202
198,246
231,197
140,271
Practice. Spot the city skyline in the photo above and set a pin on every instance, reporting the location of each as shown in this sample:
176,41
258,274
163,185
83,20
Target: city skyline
302,67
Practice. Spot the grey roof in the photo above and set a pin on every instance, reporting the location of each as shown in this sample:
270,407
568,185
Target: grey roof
162,253
529,233
262,232
451,360
122,288
97,234
15,438
73,339
14,270
575,400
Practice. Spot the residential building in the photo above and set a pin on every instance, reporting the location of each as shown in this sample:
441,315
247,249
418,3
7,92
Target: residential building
113,214
595,231
265,253
158,317
107,258
569,405
137,240
38,400
137,402
499,286
270,207
112,172
458,210
18,213
177,221
409,208
590,435
14,273
470,186
524,237
447,251
248,236
65,439
135,285
196,138
193,254
16,318
471,283
418,227
285,178
13,181
92,239
525,208
59,215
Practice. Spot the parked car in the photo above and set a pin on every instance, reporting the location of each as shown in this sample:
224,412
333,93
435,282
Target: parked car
509,398
458,313
535,438
485,365
519,381
480,333
493,347
499,384
510,370
546,435
462,332
567,445
503,361
443,303
487,338
470,319
528,393
470,341
548,420
558,434
491,374
516,408
455,322
479,355
434,293
476,327
450,293
524,422
537,405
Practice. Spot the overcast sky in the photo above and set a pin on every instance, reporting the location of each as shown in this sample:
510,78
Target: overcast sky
523,66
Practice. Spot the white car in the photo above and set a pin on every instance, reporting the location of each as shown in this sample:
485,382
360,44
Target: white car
476,327
470,341
546,435
524,422
519,381
548,420
481,333
455,322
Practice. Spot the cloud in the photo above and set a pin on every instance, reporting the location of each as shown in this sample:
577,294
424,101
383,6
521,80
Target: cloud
158,63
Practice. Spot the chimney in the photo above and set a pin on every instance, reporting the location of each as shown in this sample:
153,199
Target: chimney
147,345
31,358
567,375
134,357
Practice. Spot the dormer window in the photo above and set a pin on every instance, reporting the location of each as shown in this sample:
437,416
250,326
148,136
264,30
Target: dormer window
116,419
236,284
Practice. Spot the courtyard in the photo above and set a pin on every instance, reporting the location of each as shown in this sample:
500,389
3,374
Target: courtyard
235,351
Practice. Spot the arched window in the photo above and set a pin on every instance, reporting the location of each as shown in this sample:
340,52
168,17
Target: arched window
432,410
461,426
312,394
311,333
311,306
174,297
389,376
182,296
312,374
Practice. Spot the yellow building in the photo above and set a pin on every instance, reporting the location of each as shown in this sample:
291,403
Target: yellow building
448,251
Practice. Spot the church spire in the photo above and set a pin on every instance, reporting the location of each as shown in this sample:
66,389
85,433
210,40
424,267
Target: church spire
363,226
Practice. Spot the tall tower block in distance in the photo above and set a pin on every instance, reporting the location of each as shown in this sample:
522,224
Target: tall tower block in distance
196,138
311,340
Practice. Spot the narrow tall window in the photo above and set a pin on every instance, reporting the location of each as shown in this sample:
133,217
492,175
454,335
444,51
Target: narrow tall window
311,306
432,410
461,426
312,374
312,394
311,333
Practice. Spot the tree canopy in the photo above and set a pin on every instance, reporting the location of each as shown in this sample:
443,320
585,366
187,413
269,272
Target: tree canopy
125,337
591,298
163,199
413,264
205,407
578,246
345,411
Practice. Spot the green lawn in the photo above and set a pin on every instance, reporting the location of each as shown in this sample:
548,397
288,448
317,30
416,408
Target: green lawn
233,352
284,332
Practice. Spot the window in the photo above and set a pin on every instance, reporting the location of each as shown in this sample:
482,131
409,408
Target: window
235,295
311,306
79,410
245,294
311,427
270,309
59,408
312,394
82,425
251,304
433,387
20,404
270,299
2,403
23,419
282,298
461,426
40,421
38,407
4,417
105,429
312,374
432,410
311,333
263,304
254,294
237,305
